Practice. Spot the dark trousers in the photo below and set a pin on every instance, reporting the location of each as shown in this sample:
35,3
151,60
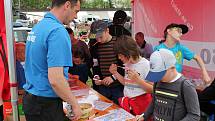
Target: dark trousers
205,97
112,93
38,108
1,113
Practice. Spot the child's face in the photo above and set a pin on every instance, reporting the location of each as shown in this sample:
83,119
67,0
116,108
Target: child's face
175,32
123,58
77,60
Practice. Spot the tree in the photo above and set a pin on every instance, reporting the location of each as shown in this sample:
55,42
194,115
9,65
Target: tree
41,5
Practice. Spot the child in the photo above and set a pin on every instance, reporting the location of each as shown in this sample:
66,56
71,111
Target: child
79,67
175,98
172,35
20,58
136,90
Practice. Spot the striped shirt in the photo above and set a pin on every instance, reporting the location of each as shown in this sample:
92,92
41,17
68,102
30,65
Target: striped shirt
106,56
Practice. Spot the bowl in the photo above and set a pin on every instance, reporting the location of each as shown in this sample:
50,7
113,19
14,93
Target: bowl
86,110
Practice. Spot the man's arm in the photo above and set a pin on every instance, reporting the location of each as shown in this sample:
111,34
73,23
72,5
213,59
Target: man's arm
201,64
62,89
191,102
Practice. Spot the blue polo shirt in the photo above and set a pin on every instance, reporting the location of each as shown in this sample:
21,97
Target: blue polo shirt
48,45
181,52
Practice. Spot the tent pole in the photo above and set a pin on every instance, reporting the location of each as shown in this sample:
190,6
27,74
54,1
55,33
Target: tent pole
11,59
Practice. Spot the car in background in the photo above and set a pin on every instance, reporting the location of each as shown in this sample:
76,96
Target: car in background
90,18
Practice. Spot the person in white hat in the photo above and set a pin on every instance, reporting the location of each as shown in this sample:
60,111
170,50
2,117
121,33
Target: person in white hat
174,98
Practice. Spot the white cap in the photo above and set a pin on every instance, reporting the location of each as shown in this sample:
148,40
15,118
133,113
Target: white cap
160,61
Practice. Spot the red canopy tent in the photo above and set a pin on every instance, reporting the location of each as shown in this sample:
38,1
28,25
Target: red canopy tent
7,60
4,86
152,16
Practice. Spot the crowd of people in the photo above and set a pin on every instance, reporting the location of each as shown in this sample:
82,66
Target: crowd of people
144,81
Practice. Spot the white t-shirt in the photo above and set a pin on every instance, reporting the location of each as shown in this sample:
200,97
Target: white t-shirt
131,88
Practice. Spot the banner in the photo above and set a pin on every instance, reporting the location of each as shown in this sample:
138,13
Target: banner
4,74
152,16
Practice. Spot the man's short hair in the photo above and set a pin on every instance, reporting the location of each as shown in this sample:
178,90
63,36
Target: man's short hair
140,34
57,3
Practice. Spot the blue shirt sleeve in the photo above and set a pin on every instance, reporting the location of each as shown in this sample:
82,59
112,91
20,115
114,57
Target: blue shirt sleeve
187,53
59,48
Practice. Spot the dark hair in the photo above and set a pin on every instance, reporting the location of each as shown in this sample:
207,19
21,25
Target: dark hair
164,36
78,53
69,30
127,46
57,3
140,34
183,27
120,17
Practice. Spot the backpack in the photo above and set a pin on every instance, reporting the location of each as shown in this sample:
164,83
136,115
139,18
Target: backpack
172,97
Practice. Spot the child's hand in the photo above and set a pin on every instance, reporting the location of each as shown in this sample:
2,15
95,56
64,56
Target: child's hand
107,81
97,80
133,75
113,68
139,118
206,79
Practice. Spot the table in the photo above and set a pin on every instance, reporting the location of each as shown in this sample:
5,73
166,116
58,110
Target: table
79,87
89,91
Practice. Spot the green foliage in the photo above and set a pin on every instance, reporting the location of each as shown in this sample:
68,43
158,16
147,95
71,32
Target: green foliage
94,4
32,4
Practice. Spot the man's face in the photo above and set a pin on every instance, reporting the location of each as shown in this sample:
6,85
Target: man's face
20,53
139,39
71,12
104,37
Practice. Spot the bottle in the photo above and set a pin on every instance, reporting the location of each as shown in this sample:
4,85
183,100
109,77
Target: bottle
69,111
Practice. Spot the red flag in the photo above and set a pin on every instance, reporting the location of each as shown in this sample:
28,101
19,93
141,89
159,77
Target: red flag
4,73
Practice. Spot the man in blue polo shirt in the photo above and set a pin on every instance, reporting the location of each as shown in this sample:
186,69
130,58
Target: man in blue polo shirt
48,57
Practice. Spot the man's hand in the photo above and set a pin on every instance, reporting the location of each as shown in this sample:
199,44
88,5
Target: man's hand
77,112
107,81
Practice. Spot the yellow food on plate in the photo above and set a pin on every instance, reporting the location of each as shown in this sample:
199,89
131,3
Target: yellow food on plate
86,109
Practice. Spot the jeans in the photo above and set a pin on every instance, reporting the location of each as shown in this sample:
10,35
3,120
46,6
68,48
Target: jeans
112,93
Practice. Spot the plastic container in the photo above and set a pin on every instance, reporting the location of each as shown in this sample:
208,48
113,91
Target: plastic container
73,80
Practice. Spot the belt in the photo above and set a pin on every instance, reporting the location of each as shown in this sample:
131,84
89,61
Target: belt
43,98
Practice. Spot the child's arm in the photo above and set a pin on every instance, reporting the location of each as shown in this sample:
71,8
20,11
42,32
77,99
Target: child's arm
147,86
191,102
201,64
188,55
119,77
